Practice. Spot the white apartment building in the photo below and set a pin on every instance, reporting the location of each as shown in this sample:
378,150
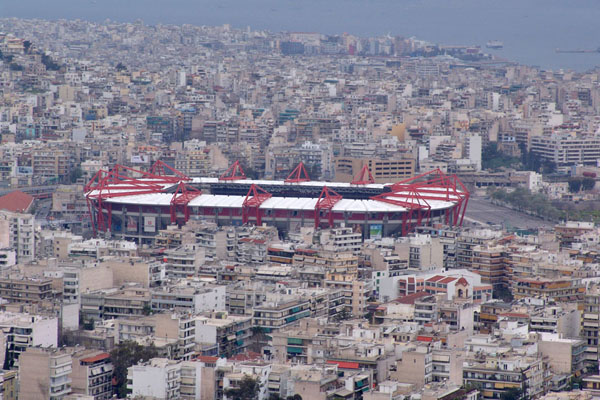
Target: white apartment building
21,331
17,231
567,149
342,239
158,378
189,298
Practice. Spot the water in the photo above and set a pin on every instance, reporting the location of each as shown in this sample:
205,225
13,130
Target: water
530,29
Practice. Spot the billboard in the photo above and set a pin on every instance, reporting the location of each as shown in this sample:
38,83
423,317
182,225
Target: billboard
149,224
376,231
23,170
131,225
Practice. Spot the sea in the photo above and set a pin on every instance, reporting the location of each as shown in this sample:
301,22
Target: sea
531,30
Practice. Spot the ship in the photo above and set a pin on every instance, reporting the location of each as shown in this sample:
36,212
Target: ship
597,50
494,44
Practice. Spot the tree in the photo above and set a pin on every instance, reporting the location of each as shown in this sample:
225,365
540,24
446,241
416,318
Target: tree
492,158
314,171
8,359
588,183
15,67
259,337
75,174
248,390
49,63
123,356
574,185
121,67
512,394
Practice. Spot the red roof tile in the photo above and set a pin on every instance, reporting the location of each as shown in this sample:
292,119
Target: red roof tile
448,279
16,201
249,355
462,281
411,298
97,357
206,359
435,278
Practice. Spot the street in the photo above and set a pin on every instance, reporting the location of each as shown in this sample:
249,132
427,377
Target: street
483,211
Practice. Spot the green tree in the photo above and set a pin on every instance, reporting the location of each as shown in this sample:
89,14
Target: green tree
16,67
248,390
492,158
75,174
314,171
123,356
588,183
512,394
121,67
574,185
49,63
8,359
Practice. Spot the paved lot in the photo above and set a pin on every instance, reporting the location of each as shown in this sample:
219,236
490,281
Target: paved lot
483,211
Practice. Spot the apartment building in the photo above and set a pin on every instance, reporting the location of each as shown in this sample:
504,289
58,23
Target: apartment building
82,279
495,374
45,374
566,289
382,170
189,298
183,262
416,367
590,324
490,263
172,329
566,149
22,331
17,231
223,335
26,290
115,303
92,374
157,378
274,315
51,163
341,239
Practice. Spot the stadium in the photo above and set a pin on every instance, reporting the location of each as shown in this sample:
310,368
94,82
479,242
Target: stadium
135,205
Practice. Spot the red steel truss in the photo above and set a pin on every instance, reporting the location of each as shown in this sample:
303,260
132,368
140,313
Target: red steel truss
364,177
414,193
181,198
234,173
299,174
123,181
325,203
255,197
418,195
159,168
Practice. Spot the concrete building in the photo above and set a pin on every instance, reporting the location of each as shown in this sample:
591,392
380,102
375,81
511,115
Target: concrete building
45,374
157,378
223,335
17,231
383,170
19,289
567,149
565,356
92,374
22,331
189,298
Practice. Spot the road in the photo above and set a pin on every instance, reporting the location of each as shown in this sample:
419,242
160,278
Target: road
42,209
483,211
